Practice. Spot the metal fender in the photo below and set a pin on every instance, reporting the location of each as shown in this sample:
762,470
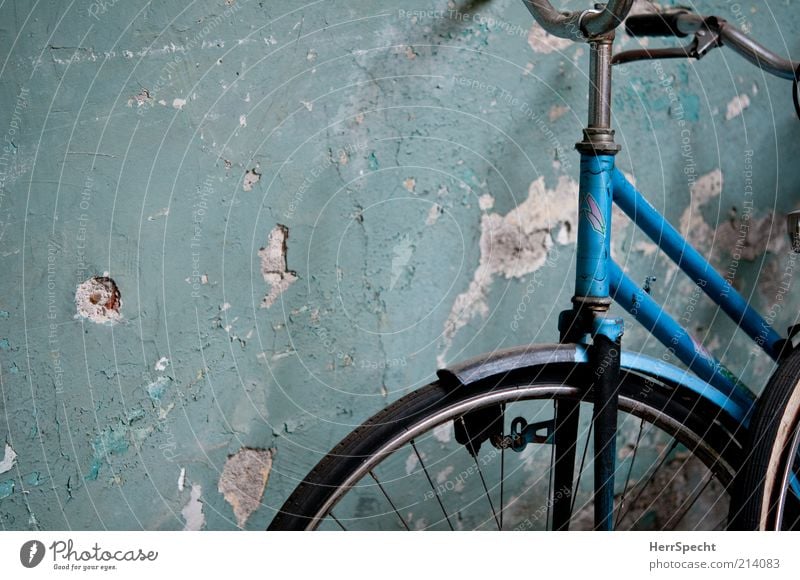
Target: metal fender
738,404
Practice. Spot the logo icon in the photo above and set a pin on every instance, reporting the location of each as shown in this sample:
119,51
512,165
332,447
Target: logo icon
31,553
592,212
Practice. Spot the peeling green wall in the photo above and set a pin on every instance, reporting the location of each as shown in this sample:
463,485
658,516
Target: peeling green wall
162,143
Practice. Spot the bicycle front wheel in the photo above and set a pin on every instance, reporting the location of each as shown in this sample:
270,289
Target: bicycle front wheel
404,468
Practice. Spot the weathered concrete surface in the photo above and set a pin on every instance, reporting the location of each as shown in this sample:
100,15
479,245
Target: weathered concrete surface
401,148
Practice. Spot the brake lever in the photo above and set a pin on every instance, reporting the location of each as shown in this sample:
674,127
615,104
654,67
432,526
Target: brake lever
705,39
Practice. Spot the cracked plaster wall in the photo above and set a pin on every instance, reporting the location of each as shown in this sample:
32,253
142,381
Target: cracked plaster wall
419,170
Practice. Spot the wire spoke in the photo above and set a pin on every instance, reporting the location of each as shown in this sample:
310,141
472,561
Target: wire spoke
551,475
391,503
710,477
630,471
433,487
483,481
576,487
335,519
649,479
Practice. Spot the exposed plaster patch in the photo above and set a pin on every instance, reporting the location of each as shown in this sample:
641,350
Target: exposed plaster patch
182,479
141,98
160,213
243,120
274,265
514,245
444,474
308,105
556,112
410,183
692,224
645,247
736,106
543,42
99,300
251,177
433,215
244,479
442,433
162,363
486,202
9,459
411,463
178,104
192,512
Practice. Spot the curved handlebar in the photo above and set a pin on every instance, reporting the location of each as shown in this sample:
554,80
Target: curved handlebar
579,25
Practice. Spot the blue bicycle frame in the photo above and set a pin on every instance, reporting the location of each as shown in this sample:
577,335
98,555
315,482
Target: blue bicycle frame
598,276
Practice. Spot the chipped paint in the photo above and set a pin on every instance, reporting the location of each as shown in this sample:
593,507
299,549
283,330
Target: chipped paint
251,177
514,245
111,441
557,111
154,177
736,106
244,479
9,459
192,512
274,265
6,488
157,388
433,215
98,299
543,42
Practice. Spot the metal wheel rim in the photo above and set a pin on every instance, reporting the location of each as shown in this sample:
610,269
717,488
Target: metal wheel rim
543,390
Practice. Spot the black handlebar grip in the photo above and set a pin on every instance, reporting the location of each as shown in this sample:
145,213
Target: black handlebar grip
655,24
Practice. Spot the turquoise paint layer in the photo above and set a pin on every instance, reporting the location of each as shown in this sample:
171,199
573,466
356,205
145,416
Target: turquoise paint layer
386,142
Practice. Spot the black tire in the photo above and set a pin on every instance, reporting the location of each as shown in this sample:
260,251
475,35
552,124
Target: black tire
696,422
758,488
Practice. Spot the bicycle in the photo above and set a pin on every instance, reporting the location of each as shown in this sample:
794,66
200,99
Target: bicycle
695,422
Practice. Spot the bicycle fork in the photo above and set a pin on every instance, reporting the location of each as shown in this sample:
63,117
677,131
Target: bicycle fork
588,321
